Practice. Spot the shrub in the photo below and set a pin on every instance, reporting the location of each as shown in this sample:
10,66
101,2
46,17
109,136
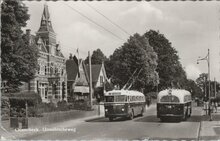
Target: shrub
34,112
5,111
62,106
152,95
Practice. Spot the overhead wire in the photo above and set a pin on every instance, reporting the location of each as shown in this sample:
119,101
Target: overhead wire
122,29
126,32
80,13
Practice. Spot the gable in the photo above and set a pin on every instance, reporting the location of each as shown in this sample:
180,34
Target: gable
97,70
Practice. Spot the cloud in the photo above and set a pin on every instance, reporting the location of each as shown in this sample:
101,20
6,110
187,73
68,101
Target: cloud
187,25
192,71
80,35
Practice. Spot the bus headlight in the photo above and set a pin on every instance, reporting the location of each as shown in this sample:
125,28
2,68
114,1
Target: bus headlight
123,109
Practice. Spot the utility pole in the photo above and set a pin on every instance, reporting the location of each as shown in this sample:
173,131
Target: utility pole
90,80
207,58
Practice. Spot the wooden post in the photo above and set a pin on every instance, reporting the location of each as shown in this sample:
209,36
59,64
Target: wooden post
90,79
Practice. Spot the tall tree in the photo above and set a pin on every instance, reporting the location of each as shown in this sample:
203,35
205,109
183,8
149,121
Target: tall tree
97,57
192,87
202,82
19,59
136,55
169,67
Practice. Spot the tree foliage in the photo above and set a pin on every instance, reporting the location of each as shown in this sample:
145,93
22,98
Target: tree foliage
169,67
201,81
134,55
19,60
192,87
97,57
203,84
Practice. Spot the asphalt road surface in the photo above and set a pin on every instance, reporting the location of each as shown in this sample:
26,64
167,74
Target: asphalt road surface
140,128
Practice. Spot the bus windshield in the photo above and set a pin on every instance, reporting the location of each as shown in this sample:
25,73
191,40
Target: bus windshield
116,98
168,98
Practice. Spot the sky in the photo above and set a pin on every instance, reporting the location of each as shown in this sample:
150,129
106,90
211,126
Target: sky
191,27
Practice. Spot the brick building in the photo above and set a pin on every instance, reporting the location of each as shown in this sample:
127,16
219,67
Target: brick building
51,80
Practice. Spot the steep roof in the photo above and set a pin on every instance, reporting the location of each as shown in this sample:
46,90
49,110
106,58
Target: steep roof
95,72
71,69
46,24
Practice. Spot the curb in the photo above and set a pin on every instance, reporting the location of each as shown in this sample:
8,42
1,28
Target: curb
94,118
199,131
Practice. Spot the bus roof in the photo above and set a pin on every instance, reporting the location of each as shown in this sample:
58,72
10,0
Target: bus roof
180,93
124,92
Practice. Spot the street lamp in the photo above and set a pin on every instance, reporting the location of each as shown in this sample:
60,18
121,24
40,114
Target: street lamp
207,58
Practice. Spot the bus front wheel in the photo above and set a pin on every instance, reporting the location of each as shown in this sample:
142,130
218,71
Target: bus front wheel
142,112
131,115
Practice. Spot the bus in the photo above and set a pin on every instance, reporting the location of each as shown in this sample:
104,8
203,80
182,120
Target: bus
174,103
124,103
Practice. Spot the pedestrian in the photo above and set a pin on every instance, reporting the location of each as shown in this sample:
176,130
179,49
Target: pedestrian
216,106
210,110
205,108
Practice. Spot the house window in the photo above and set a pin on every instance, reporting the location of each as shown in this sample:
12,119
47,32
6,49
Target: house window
46,91
42,70
101,80
45,70
51,70
38,69
62,72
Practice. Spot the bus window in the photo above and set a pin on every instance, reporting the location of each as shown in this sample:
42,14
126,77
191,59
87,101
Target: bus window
109,99
168,98
120,98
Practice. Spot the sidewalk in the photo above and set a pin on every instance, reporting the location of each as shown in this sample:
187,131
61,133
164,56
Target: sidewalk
11,134
210,130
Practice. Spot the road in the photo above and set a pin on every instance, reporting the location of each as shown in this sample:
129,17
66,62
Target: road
146,127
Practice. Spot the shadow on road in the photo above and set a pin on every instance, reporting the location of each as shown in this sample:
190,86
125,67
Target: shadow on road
153,118
103,119
193,118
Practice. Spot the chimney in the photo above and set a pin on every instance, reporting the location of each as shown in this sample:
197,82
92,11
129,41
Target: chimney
28,31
